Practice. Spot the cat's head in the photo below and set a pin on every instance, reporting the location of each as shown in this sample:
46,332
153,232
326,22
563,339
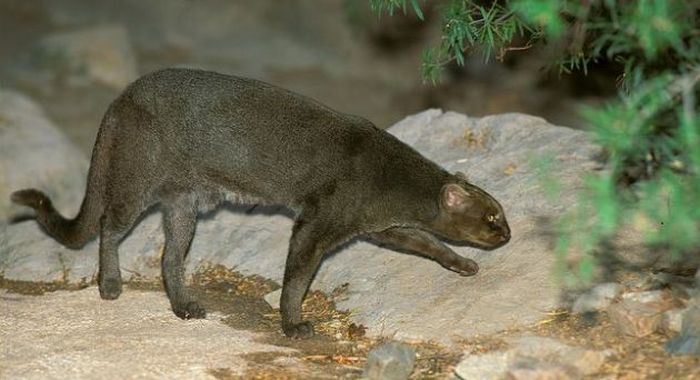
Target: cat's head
468,213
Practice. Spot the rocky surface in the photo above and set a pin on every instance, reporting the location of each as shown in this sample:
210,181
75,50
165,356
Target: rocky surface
650,303
641,313
388,292
34,153
136,336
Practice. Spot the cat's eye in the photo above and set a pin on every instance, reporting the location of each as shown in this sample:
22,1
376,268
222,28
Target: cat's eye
491,218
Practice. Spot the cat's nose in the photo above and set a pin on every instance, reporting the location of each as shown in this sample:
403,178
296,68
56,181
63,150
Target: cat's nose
505,237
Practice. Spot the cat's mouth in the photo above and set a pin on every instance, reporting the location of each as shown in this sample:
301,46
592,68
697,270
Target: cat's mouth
493,241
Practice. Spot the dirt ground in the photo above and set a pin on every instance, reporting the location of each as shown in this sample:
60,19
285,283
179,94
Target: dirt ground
340,348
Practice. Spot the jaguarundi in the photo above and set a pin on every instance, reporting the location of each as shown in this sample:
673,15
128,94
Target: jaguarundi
187,140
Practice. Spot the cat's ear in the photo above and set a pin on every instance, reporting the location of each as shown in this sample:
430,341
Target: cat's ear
461,175
454,197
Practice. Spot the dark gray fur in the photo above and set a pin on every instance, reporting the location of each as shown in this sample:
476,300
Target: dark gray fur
187,140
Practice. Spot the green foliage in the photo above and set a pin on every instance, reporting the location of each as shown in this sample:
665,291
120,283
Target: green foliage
391,6
651,133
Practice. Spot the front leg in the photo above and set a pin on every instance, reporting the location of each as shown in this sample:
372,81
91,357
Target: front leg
423,243
310,241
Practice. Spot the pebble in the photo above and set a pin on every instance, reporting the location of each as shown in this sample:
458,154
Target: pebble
634,318
533,357
688,341
273,298
390,361
686,345
598,298
488,366
554,351
672,320
641,313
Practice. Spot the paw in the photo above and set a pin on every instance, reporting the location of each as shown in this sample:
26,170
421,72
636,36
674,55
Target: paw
190,310
303,330
110,288
465,268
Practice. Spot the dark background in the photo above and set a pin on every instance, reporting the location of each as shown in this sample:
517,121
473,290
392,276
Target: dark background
336,51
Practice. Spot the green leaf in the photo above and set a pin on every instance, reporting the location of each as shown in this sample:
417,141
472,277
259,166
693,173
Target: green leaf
417,10
544,13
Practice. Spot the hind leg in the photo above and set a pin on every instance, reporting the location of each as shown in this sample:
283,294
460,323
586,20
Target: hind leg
179,221
115,225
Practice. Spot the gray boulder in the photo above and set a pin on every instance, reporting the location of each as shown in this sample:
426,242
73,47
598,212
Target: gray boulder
390,293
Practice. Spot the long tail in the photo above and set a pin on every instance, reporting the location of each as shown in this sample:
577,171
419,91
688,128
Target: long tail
75,233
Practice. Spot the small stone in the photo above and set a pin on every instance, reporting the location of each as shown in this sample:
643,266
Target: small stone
643,281
391,361
640,313
550,350
634,318
686,345
489,366
671,320
688,342
691,319
273,298
586,362
598,298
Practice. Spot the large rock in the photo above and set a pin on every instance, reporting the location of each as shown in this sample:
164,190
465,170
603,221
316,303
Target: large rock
33,153
390,293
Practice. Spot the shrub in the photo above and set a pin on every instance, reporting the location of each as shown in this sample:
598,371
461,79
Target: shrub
650,132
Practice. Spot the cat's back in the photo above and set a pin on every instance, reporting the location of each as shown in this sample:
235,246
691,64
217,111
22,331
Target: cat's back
210,94
266,140
237,109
